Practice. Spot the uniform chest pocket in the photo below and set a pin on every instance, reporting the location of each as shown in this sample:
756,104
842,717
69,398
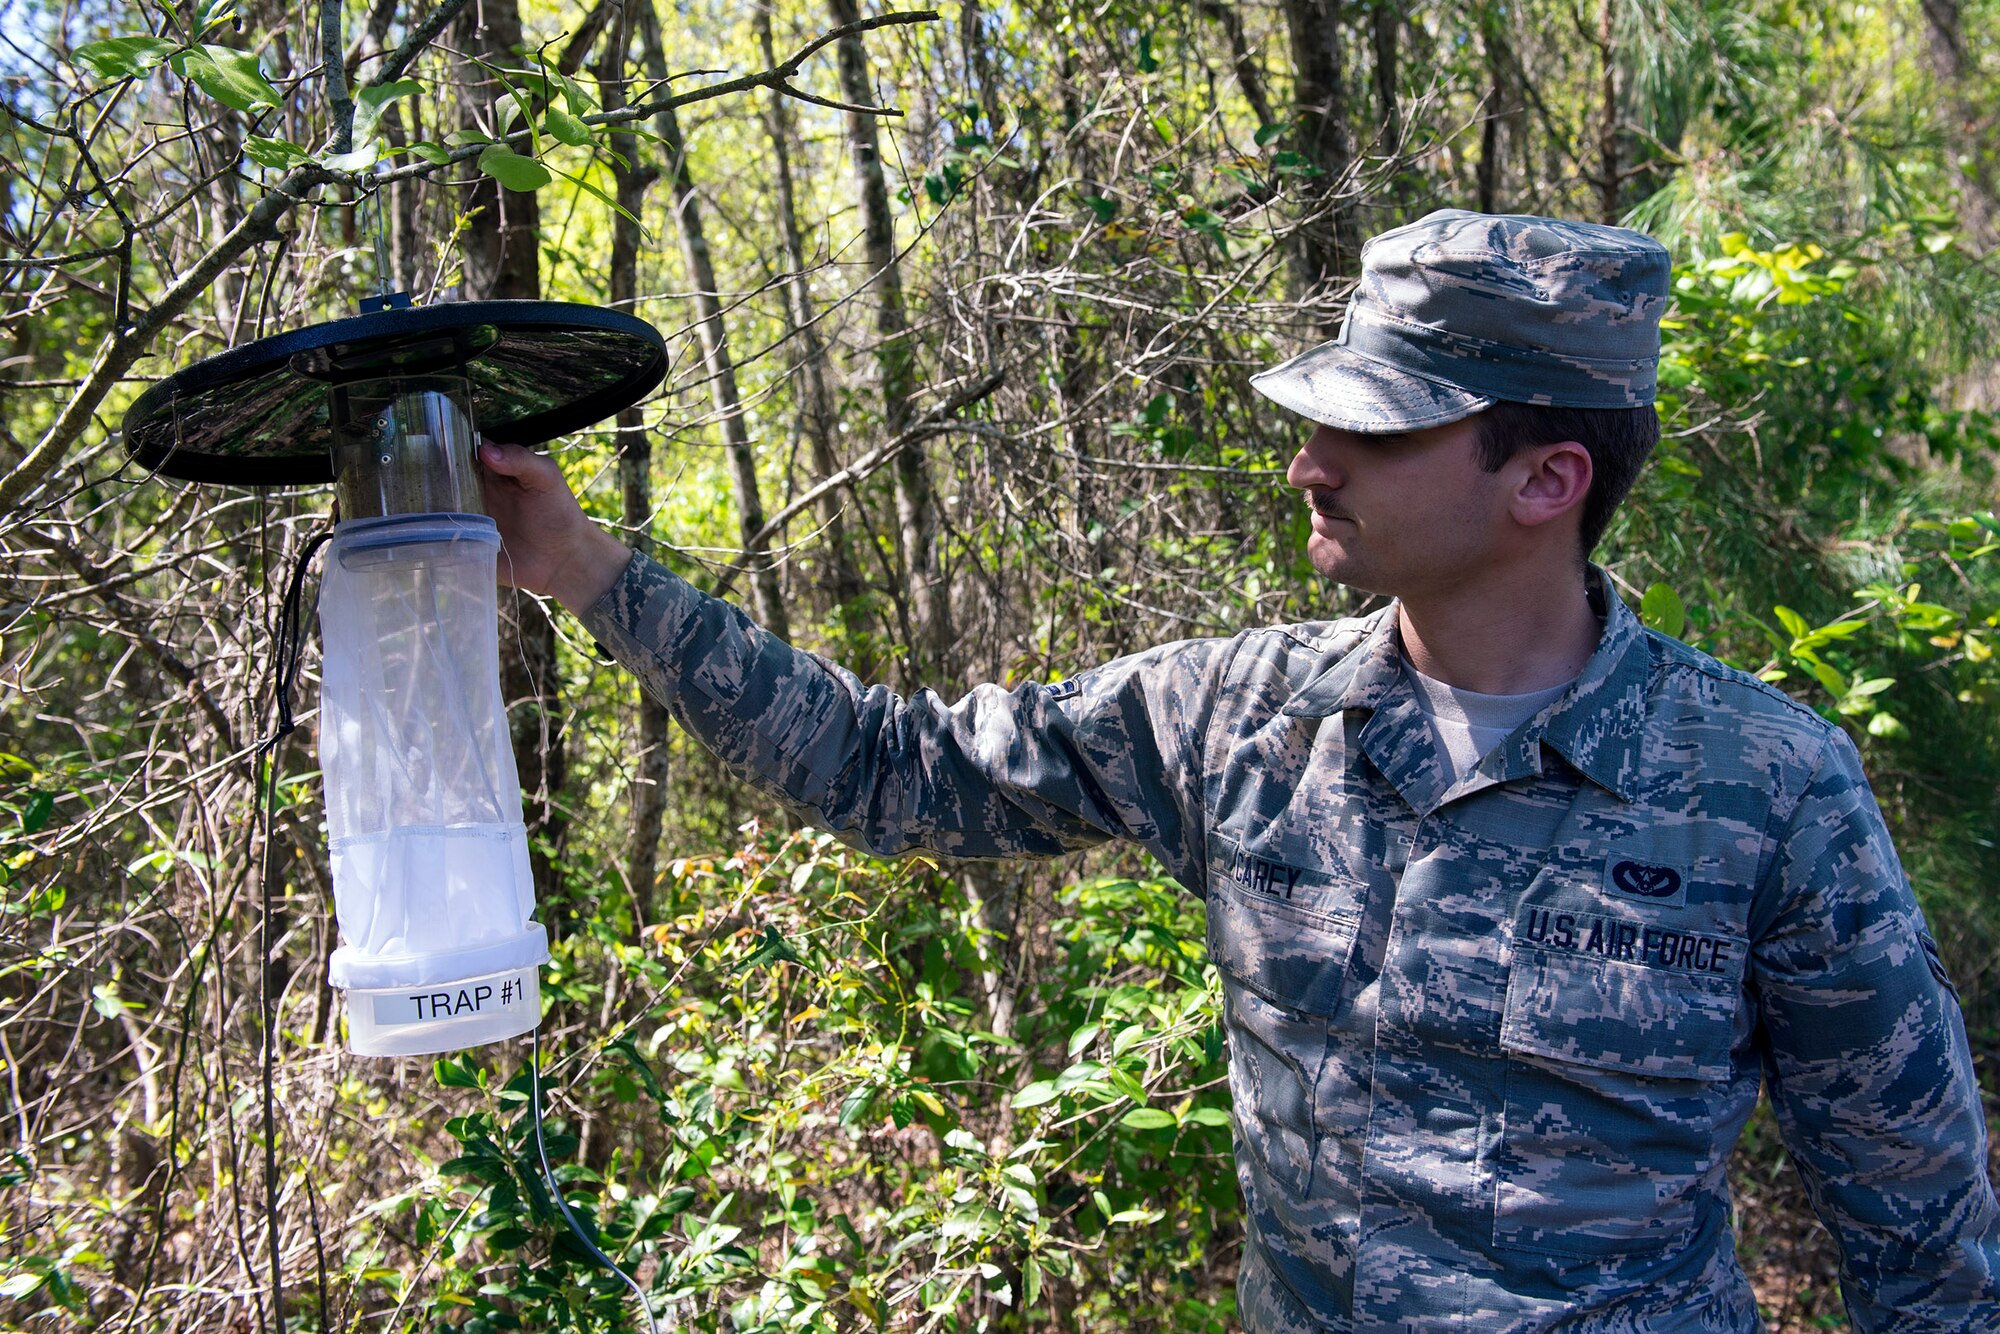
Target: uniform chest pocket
1620,1104
1283,965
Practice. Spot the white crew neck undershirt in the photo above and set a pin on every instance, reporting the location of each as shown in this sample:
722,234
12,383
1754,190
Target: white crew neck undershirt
1468,725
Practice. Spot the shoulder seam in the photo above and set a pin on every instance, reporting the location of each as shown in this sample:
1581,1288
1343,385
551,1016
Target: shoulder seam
1724,675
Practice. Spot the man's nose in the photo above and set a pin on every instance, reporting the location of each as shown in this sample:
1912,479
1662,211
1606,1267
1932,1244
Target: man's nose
1310,468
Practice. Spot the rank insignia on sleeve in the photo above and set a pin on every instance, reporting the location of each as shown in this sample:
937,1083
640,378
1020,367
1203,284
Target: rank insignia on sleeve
1057,691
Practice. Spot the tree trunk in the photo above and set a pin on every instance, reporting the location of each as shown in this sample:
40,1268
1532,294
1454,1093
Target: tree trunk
501,258
916,505
631,177
818,420
1385,25
1493,129
1969,127
1327,245
1609,159
766,598
1249,78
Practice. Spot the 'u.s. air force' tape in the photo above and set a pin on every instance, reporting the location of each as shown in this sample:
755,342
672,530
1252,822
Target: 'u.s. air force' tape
1630,942
461,1000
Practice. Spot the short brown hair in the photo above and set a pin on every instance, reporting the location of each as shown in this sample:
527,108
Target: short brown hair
1618,439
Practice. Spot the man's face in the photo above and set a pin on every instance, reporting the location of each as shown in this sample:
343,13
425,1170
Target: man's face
1405,515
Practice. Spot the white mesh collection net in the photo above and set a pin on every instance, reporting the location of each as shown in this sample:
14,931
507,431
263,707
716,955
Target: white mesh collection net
431,881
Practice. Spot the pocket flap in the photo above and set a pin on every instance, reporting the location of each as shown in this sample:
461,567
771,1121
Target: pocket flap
1292,957
1615,1015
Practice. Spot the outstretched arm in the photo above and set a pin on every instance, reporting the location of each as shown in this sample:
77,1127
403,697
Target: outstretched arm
1031,771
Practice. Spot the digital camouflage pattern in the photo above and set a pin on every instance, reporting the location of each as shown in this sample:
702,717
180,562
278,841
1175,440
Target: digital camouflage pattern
1457,310
1491,1041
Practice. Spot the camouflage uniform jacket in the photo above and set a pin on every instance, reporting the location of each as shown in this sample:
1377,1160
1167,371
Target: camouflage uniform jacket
1490,1042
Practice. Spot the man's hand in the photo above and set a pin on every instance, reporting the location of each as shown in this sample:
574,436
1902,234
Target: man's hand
548,546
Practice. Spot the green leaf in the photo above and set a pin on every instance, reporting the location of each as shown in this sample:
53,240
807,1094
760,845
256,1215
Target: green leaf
1037,1093
35,815
1887,725
565,128
1082,1038
1209,1116
458,1074
229,76
429,152
276,153
584,184
1105,209
854,1107
1267,134
1031,1281
1147,62
626,1047
1795,624
361,159
1661,609
580,101
515,172
21,1285
208,13
369,104
123,57
1148,1118
771,947
105,1000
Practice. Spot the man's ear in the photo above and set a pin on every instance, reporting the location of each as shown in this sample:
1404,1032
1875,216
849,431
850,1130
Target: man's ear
1549,482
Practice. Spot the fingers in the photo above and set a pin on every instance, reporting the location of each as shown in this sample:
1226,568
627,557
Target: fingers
537,472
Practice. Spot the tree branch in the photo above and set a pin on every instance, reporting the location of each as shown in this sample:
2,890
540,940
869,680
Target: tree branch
778,77
333,68
936,422
128,343
413,45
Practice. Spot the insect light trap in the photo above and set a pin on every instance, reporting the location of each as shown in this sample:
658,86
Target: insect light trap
439,946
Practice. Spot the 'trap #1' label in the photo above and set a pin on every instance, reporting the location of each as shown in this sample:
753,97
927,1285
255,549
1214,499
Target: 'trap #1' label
463,1000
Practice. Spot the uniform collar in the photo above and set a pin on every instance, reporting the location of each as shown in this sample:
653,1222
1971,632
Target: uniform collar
1596,726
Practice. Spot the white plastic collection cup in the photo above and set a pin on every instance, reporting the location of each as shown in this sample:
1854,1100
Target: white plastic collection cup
431,879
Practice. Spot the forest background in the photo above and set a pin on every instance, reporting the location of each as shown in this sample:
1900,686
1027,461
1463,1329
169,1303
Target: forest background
962,308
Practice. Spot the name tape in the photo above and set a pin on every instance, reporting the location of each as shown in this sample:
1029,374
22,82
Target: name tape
1271,879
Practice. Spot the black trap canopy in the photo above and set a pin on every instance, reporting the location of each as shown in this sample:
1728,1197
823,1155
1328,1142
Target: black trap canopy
264,414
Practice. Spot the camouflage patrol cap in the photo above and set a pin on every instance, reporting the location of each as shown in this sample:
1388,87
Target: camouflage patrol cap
1459,310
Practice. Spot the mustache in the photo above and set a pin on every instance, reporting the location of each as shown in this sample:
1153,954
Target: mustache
1322,502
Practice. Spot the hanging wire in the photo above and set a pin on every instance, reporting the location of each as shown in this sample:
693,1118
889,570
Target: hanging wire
269,756
535,1053
555,1189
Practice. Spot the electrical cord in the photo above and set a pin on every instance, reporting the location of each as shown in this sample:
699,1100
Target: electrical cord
535,1068
555,1190
268,757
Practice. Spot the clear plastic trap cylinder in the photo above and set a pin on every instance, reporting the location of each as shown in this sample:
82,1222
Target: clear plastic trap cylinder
406,444
431,880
